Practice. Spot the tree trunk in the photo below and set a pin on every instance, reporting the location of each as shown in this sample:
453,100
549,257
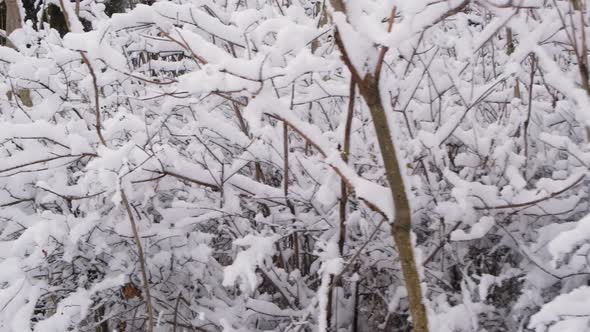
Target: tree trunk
13,22
13,19
401,229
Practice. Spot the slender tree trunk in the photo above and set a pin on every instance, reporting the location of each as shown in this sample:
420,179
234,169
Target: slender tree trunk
401,229
582,49
323,20
345,153
142,264
13,22
509,51
343,199
13,19
355,310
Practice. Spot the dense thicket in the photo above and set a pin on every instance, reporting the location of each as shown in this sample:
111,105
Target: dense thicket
226,165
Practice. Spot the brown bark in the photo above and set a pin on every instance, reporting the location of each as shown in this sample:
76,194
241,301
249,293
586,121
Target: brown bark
509,51
583,51
343,201
13,19
345,152
13,22
142,264
401,230
323,20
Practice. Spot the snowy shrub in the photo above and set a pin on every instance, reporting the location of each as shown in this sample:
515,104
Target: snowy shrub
246,165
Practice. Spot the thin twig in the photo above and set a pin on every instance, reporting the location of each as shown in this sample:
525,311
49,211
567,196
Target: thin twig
535,201
142,263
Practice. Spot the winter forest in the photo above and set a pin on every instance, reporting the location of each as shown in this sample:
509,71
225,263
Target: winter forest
294,165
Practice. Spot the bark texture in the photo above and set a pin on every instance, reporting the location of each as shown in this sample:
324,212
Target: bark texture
401,230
